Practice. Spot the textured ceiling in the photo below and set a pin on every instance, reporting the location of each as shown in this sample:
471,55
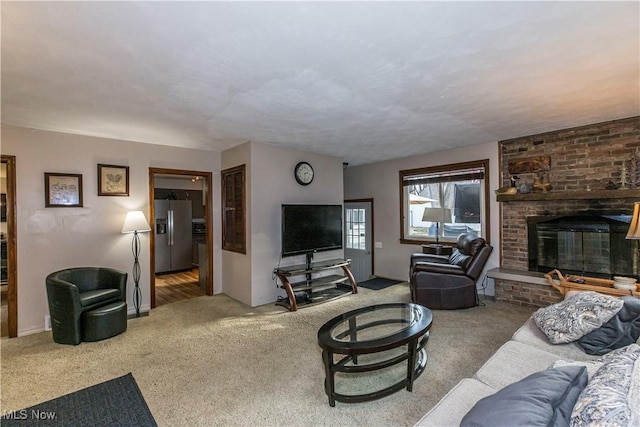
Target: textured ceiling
365,81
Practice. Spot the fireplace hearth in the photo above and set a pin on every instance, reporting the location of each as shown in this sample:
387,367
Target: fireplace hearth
589,245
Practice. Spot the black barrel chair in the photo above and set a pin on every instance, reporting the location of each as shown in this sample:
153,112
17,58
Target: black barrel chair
449,282
86,302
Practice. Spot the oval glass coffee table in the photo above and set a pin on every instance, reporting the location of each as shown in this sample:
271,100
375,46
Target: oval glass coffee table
385,335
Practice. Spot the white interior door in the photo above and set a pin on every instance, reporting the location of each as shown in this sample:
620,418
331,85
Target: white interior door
358,237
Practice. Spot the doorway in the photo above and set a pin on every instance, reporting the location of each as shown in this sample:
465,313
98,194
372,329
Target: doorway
358,231
8,238
180,268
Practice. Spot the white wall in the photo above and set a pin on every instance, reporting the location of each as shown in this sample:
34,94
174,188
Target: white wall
51,239
273,184
270,183
380,181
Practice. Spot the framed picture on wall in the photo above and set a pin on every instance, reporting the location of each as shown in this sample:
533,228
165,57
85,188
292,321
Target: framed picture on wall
62,190
113,180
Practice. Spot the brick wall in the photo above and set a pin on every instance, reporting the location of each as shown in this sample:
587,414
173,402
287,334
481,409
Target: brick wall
525,294
583,159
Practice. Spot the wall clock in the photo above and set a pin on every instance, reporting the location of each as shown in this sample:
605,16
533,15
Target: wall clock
303,173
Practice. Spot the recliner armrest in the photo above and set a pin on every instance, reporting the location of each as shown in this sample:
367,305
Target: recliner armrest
430,267
63,295
418,257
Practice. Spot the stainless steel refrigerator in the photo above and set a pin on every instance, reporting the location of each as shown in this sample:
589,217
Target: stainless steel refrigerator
174,250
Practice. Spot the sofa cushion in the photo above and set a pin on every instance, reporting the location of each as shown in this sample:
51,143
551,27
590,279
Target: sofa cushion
98,296
501,369
612,397
621,330
544,398
452,407
576,316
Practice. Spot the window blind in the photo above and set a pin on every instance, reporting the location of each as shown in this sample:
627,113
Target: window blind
448,176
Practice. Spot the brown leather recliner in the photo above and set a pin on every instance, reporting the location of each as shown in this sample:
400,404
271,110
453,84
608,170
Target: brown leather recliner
449,282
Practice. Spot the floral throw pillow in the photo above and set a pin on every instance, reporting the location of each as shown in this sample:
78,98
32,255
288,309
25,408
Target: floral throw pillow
612,396
576,316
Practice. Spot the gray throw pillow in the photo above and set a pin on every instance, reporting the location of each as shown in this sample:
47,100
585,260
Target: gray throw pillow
545,398
459,259
576,316
621,330
591,365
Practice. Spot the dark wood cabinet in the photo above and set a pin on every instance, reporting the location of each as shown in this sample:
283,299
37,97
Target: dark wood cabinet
3,262
197,205
233,209
3,239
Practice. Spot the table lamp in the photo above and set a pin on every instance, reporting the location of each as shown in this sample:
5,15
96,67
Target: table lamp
634,228
437,215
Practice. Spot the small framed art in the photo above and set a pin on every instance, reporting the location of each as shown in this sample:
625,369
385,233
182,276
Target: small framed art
62,190
113,180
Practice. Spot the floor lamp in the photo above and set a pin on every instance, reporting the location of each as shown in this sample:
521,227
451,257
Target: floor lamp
437,215
135,223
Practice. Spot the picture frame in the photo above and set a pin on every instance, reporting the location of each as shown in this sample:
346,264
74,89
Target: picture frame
62,190
529,165
113,180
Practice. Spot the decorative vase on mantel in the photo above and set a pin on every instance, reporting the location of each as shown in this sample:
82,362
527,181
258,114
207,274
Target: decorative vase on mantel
541,182
624,174
630,172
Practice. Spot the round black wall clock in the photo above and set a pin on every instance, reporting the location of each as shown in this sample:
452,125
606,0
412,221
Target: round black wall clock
303,173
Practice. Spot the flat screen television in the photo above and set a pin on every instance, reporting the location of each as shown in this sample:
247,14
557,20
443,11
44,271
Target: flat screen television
307,229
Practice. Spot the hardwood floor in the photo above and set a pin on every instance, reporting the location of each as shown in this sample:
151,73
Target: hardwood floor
175,287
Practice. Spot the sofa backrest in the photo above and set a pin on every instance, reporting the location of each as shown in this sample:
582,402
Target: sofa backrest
93,278
471,253
479,260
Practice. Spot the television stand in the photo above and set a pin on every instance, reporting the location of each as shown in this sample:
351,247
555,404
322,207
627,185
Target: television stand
316,287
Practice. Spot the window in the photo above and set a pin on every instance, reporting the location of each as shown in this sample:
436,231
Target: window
356,232
233,209
462,189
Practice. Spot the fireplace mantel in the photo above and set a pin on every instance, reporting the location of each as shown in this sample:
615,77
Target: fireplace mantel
570,195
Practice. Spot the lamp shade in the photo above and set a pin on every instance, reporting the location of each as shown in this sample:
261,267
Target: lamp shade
135,221
634,228
437,215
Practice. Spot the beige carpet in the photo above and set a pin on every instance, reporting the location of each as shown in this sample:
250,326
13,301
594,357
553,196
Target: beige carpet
213,361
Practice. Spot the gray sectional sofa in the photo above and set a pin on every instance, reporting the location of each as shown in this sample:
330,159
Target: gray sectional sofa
529,351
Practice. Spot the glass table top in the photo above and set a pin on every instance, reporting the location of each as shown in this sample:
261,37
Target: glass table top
375,325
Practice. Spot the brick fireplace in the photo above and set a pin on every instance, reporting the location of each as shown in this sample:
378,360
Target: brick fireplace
584,162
